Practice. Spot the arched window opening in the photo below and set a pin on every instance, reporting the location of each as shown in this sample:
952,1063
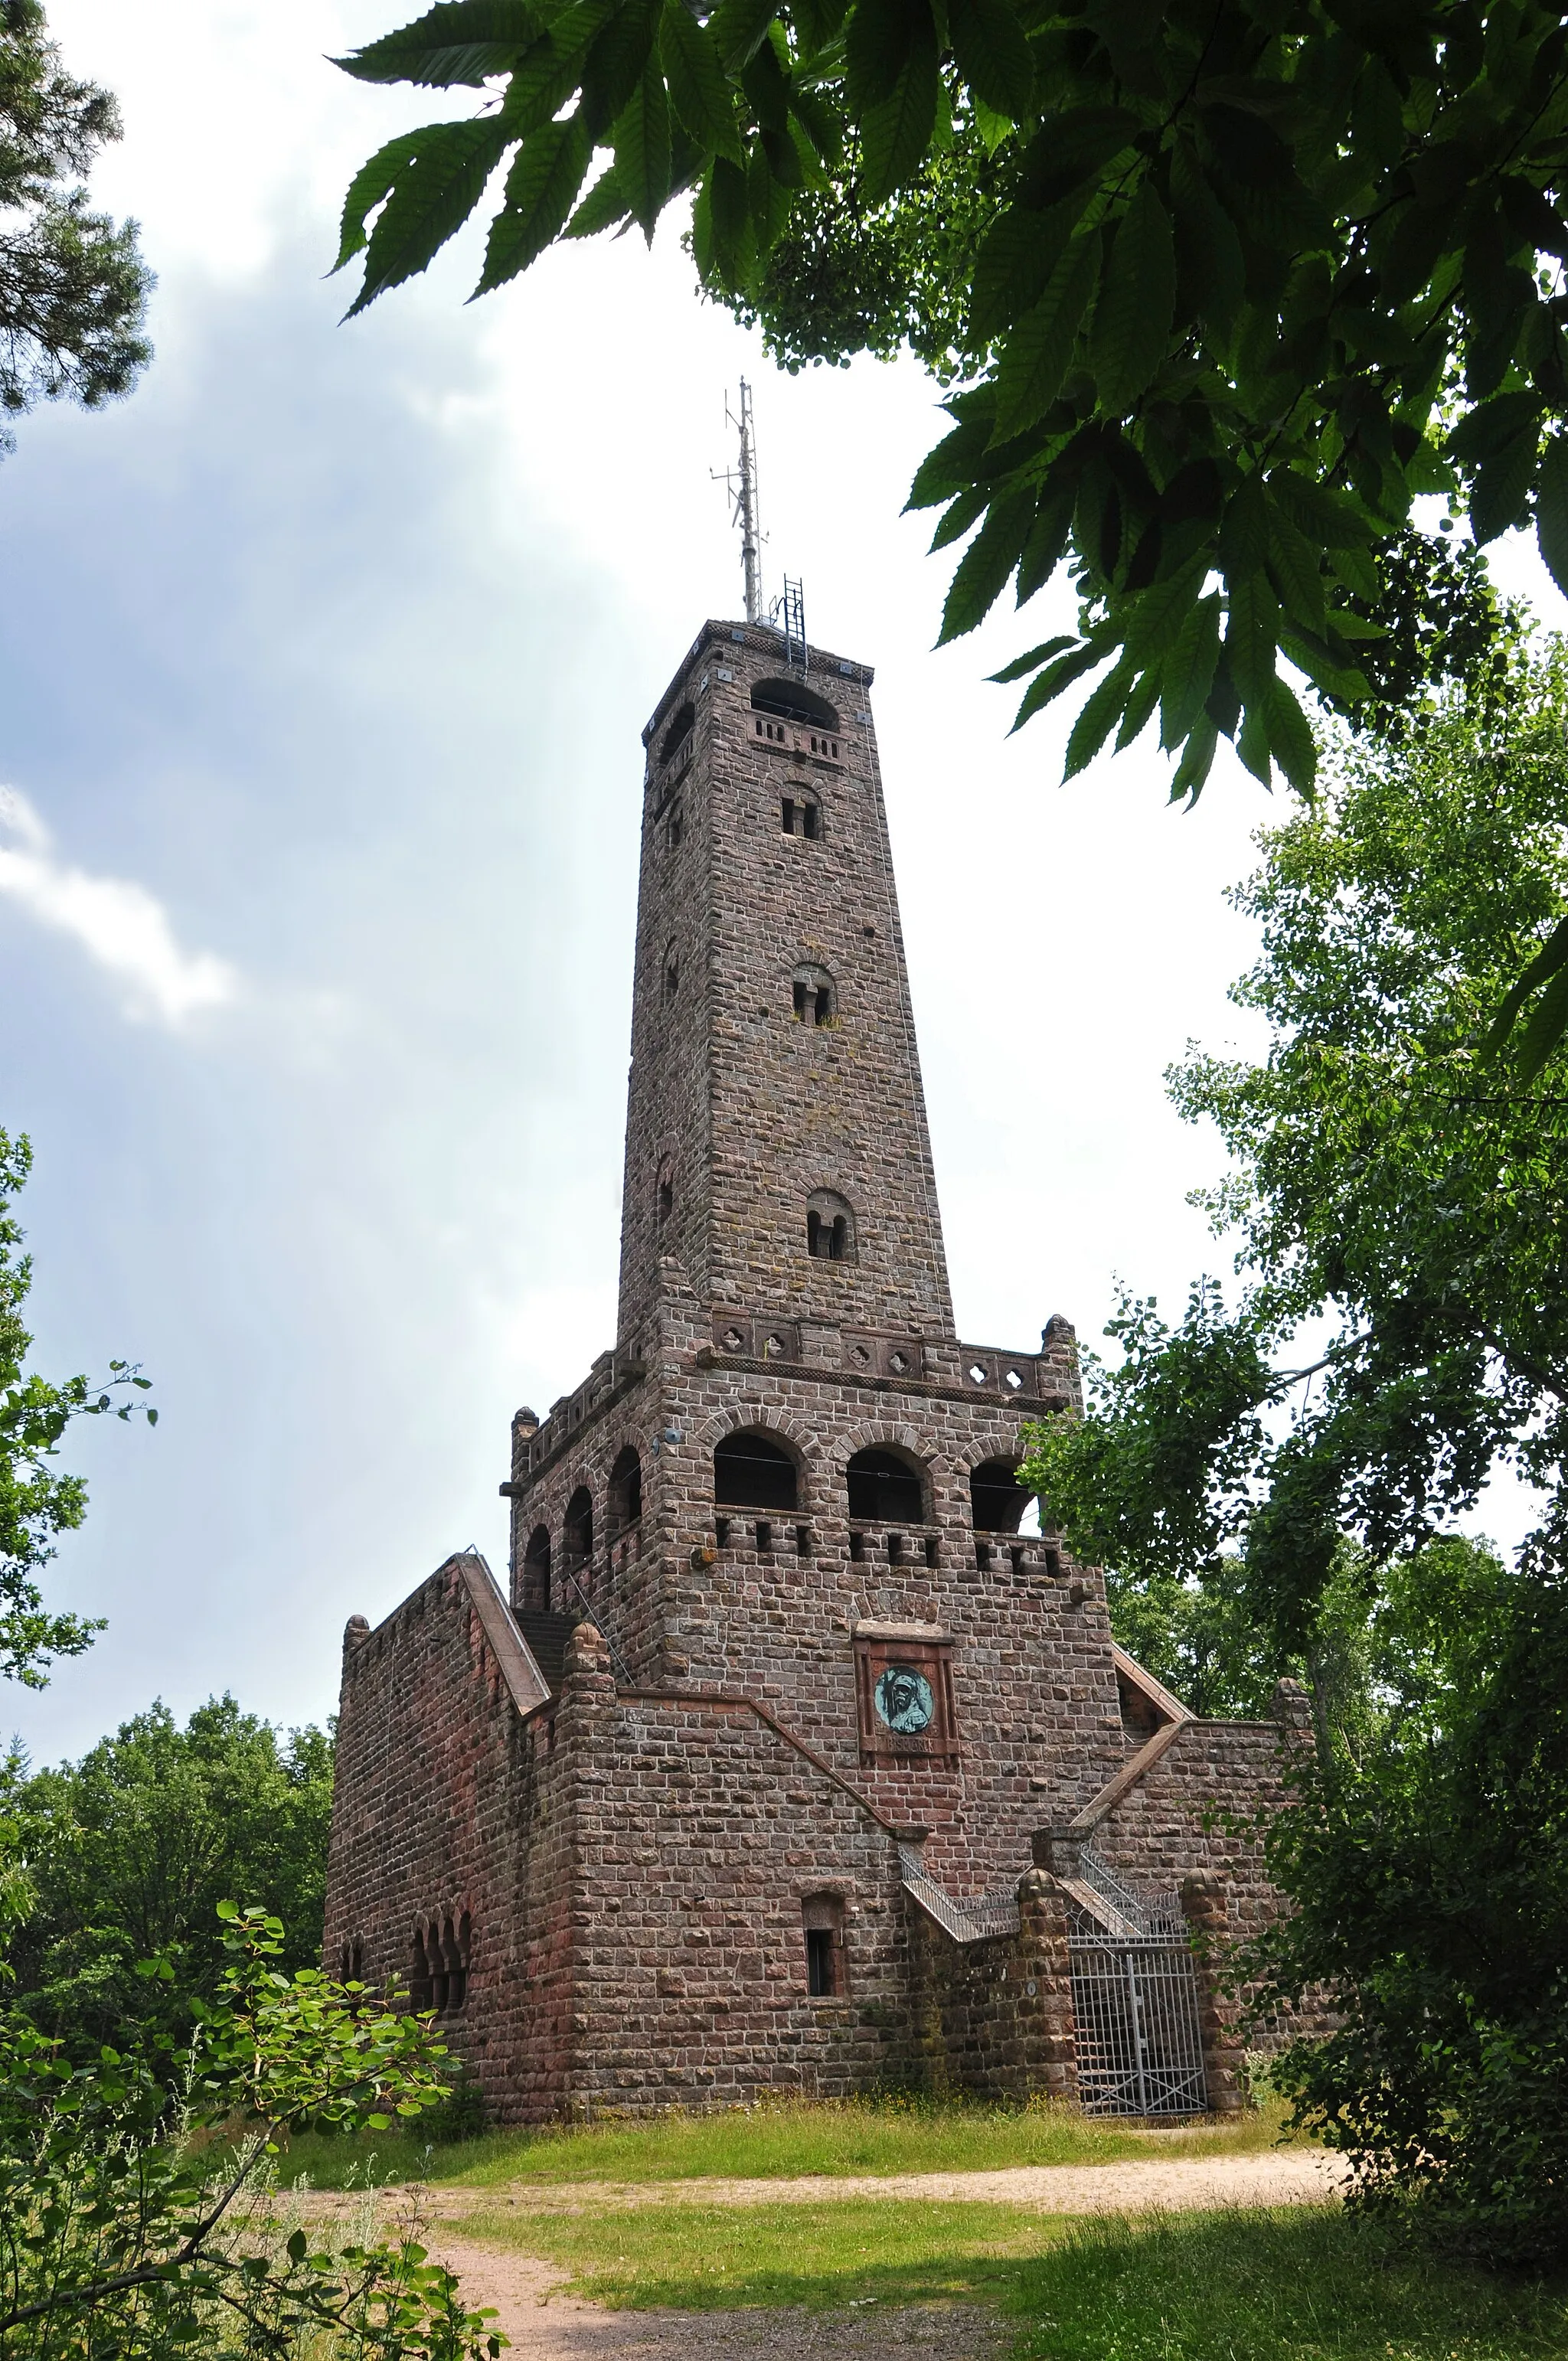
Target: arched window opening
351,1960
455,1954
536,1572
996,1497
440,1981
672,979
885,1490
829,1227
750,1472
625,1490
802,815
675,825
420,1990
577,1530
666,1198
823,1915
793,701
816,1002
679,728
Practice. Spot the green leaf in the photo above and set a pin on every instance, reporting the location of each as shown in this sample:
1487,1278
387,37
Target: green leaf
462,41
1244,532
1140,705
1036,657
1097,717
365,191
1132,322
1551,510
642,141
616,63
895,132
1187,672
1252,743
1545,1029
1034,360
1329,518
541,190
957,519
730,213
1290,736
1046,543
699,93
1491,426
1016,256
607,205
876,49
1195,764
1251,636
1551,959
1050,685
1501,490
436,190
738,27
986,563
1295,570
992,55
1159,614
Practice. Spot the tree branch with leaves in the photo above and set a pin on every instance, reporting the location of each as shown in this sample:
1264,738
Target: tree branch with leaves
38,1502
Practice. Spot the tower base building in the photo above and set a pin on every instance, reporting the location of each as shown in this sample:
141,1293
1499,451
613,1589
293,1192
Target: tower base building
789,1762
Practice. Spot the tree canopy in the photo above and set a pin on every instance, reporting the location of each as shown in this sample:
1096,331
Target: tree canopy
1396,1200
73,287
129,1852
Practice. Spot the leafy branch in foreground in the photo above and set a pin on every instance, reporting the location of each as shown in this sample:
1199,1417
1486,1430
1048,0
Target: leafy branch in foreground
1254,274
36,1502
139,2221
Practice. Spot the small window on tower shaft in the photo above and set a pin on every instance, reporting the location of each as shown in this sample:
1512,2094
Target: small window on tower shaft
810,820
830,1228
672,974
814,997
666,1191
789,815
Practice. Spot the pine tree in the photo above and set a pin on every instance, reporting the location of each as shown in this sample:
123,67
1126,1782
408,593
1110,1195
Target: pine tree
73,287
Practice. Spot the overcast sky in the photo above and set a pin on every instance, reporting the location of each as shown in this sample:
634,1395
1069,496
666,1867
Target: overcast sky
321,670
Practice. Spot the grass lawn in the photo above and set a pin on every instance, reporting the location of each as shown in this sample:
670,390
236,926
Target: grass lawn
768,2143
1311,2284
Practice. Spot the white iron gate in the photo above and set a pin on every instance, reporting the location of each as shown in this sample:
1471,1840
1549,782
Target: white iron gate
1139,2038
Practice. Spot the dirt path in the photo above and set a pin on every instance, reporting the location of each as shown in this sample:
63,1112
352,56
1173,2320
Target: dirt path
547,2325
1289,2176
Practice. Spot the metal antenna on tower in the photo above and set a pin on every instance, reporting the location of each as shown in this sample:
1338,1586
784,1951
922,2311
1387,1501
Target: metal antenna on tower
742,486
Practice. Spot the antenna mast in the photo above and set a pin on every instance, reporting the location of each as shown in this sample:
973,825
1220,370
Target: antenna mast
742,484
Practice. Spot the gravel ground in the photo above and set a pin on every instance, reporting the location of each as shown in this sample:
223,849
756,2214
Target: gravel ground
1289,2176
546,2325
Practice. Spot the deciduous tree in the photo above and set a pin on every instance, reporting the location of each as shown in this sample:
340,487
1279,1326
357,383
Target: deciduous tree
37,1502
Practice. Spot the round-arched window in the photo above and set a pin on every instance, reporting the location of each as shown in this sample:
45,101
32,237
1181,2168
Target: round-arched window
885,1490
751,1471
996,1497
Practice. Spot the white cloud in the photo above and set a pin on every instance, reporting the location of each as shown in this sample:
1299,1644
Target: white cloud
117,922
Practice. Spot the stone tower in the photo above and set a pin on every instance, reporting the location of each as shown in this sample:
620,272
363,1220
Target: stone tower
753,1780
818,1459
774,1067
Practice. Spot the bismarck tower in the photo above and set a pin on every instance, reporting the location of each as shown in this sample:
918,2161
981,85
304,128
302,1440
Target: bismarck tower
791,1762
